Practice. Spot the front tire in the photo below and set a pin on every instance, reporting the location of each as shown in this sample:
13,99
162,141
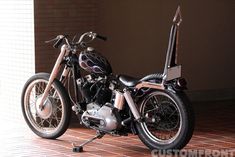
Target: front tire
52,121
168,120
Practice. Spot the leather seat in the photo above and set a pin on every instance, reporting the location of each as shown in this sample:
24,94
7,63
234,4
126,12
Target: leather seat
128,80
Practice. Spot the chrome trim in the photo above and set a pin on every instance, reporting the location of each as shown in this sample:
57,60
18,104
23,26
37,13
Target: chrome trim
55,71
131,104
90,49
119,100
150,85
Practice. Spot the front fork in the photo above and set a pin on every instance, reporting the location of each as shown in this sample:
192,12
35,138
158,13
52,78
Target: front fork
64,51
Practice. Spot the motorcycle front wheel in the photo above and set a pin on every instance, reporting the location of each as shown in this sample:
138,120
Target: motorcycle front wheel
53,120
168,120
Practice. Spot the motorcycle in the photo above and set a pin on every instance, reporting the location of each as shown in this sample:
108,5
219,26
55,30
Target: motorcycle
154,107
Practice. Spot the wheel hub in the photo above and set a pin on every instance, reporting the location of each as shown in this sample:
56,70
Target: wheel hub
47,109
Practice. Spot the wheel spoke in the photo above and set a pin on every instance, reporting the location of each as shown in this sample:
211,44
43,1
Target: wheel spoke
163,120
48,123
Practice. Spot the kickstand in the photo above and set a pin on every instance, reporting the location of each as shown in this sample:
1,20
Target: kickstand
80,147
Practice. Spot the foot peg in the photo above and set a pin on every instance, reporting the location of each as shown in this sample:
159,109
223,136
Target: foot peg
80,147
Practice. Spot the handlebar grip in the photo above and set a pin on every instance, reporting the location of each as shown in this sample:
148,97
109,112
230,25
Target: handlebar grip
58,43
101,37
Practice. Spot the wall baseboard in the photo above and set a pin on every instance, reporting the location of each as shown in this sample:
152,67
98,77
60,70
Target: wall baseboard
211,95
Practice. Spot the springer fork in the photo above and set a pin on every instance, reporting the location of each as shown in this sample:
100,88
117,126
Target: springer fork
64,51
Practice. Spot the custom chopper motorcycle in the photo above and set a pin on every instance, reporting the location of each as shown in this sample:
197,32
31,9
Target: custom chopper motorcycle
154,107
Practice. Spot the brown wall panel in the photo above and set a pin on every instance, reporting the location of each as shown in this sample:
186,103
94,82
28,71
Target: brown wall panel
56,17
138,35
139,31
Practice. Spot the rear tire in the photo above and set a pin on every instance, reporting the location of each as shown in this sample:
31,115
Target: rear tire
184,122
54,120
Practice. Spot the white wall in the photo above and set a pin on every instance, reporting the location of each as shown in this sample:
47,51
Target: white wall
17,61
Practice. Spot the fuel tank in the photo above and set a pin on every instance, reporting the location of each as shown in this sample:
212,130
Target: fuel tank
93,62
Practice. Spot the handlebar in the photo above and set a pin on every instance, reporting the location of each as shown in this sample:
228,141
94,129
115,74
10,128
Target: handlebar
58,40
101,37
81,42
57,43
92,36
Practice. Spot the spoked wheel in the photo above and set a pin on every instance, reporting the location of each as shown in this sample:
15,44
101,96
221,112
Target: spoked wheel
168,121
52,120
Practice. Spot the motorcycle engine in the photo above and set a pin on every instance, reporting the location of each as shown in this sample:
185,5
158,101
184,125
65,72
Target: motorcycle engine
94,89
99,112
102,117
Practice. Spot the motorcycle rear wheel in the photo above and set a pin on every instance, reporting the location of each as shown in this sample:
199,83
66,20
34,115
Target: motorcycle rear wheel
168,123
52,121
